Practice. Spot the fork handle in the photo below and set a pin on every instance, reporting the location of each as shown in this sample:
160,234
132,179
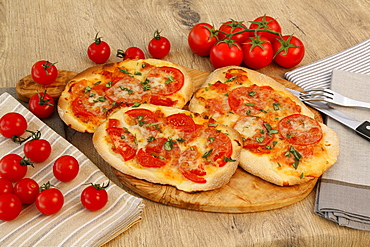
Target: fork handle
361,104
364,130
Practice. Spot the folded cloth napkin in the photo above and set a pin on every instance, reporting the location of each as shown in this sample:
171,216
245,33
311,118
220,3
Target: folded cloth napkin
73,225
343,193
318,74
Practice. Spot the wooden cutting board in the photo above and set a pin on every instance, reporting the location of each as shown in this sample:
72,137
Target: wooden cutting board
244,193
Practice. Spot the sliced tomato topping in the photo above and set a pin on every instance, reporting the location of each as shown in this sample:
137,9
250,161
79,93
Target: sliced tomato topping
300,129
191,175
148,160
158,153
219,87
165,80
217,105
238,74
112,122
256,132
182,122
123,141
159,100
219,147
142,117
250,101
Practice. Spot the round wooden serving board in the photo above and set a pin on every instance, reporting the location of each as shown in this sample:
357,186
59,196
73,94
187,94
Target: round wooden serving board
244,193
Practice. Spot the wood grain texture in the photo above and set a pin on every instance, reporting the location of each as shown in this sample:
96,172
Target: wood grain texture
61,30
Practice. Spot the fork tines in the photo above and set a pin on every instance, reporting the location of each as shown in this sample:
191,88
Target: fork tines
316,94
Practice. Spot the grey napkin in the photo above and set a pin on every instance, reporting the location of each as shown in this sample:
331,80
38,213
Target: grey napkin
343,193
318,74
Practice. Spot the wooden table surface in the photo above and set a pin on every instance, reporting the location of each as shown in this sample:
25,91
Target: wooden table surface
61,30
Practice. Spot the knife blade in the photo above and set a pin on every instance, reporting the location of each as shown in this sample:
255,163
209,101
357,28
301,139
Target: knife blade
361,128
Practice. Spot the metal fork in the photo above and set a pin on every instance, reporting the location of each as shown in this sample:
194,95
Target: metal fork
327,95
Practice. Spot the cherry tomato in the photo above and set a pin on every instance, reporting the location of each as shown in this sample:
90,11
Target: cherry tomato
257,52
13,167
50,200
42,105
44,73
66,168
131,53
10,206
27,190
226,53
12,124
289,51
37,150
5,186
201,38
265,23
94,197
99,51
233,27
159,46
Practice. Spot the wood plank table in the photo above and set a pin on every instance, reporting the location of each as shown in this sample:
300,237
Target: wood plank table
60,31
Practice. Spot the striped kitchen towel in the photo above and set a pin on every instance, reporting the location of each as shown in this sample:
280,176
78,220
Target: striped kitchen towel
73,225
318,74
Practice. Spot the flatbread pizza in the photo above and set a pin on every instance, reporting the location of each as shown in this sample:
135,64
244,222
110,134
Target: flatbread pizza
93,93
282,142
169,146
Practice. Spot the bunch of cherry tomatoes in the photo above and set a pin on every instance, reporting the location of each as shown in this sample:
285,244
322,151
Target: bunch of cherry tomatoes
256,46
13,169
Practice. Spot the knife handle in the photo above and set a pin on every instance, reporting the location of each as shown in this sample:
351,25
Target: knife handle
364,130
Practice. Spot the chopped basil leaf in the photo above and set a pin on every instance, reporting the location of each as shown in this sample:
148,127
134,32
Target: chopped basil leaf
276,106
227,159
206,154
252,93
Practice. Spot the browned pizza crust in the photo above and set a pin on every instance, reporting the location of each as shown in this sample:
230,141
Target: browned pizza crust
261,165
64,103
216,176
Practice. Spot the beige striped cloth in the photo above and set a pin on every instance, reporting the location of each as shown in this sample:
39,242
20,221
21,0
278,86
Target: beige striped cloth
73,225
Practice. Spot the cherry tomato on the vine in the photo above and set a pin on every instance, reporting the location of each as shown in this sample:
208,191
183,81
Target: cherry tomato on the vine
131,53
50,200
94,197
43,72
5,186
66,168
257,52
201,38
12,124
266,23
36,149
226,53
159,46
289,51
13,167
231,27
41,104
99,51
27,190
10,206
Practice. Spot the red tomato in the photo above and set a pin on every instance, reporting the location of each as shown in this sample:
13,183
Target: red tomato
201,38
226,53
50,200
126,146
159,46
10,206
42,105
300,130
13,167
27,190
66,168
99,51
44,73
94,197
289,51
37,150
5,186
266,23
257,52
182,122
131,53
12,124
172,79
231,27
